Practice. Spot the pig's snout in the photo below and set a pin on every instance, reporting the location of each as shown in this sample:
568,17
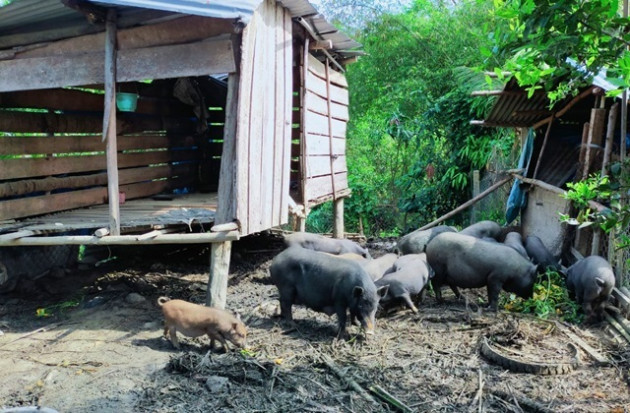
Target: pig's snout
368,326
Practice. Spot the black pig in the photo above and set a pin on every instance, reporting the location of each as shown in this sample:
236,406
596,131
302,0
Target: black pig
326,284
514,240
410,276
483,229
321,243
380,266
463,261
415,242
540,254
590,282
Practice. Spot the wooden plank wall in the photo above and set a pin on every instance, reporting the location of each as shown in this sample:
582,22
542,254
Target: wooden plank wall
52,157
263,132
324,133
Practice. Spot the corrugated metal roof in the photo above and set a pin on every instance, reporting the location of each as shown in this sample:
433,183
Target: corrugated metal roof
234,9
513,108
24,21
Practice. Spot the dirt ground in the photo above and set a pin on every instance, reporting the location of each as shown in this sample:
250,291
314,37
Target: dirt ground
97,346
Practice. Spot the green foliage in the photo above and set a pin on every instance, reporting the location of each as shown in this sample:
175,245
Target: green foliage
320,219
609,191
559,45
550,299
410,143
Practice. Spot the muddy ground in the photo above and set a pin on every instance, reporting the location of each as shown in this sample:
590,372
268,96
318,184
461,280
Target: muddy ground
97,346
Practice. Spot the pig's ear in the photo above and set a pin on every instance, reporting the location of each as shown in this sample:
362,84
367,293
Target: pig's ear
234,326
382,291
357,291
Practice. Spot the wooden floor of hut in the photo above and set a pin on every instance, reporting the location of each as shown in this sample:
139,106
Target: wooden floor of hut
138,215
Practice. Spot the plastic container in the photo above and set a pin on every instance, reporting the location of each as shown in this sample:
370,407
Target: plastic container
126,102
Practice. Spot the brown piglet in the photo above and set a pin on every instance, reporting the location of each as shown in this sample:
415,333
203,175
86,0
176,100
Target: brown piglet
194,320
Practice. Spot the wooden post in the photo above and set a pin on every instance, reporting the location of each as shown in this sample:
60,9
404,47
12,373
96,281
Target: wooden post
475,192
610,132
594,136
338,230
216,295
109,123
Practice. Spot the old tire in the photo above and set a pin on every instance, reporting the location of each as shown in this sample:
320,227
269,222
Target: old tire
519,366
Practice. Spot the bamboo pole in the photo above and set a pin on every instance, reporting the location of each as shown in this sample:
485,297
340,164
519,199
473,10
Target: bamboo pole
465,205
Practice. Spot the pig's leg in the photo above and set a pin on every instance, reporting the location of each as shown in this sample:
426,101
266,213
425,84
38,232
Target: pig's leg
287,296
172,332
341,321
494,288
455,291
437,289
579,293
407,299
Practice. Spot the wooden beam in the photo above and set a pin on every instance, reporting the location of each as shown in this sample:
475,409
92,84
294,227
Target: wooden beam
187,29
42,38
551,188
126,176
45,204
194,238
38,167
44,145
31,122
83,101
194,59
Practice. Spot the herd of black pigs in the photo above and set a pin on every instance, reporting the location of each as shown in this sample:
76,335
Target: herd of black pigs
338,276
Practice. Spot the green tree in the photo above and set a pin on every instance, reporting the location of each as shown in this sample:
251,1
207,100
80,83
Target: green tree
560,45
410,144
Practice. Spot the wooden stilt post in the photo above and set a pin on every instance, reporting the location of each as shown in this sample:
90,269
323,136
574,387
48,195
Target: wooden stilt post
219,268
301,224
338,230
475,192
109,123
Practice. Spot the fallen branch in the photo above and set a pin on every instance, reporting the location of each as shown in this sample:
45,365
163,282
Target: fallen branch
388,398
349,380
